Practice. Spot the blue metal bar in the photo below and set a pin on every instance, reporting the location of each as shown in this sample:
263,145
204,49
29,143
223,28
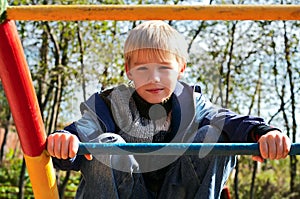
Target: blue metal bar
175,148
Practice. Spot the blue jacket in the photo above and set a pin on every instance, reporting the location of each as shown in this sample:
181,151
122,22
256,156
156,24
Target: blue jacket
190,112
190,109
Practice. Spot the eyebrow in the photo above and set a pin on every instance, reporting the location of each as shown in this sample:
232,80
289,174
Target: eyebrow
145,63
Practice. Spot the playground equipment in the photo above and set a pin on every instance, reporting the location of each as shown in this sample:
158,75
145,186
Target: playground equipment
149,12
17,83
175,148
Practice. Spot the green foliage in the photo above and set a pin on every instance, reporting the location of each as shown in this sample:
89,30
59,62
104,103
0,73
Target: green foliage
4,108
9,178
272,179
72,184
3,6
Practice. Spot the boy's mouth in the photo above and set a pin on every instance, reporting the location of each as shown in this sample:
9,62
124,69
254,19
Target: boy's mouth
155,90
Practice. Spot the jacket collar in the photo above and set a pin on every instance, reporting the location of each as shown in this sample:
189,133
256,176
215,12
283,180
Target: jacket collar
183,112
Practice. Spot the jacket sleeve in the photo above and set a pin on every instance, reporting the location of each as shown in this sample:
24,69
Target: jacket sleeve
95,121
236,127
87,129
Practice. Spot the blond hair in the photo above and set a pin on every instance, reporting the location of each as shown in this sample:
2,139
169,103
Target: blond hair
158,37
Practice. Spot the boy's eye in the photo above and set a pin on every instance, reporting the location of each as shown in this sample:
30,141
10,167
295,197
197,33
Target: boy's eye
165,67
142,68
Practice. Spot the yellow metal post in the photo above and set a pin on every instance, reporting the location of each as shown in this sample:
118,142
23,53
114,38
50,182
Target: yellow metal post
150,12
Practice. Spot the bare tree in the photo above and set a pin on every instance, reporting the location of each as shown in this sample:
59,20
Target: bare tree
257,93
293,159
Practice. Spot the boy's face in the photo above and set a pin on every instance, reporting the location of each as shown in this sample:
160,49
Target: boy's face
154,76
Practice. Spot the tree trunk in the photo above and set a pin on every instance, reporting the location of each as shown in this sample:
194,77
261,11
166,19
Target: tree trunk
258,92
21,180
228,87
83,84
55,104
6,130
41,96
293,159
63,185
236,180
252,188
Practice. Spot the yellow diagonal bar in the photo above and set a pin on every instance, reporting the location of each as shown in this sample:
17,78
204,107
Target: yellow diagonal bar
42,176
151,12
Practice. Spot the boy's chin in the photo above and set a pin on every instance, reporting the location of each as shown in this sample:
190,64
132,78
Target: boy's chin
158,101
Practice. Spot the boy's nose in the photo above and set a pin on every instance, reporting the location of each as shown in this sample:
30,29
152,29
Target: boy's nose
154,76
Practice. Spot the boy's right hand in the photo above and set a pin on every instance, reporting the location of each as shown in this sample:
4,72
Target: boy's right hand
64,146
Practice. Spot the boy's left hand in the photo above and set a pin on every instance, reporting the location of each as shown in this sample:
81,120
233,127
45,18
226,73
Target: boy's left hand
274,145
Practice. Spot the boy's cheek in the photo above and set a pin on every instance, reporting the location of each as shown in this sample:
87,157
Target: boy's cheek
139,84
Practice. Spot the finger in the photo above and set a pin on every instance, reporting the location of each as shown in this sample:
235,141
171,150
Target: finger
64,151
279,147
57,147
50,145
73,146
263,147
272,148
286,146
258,159
88,156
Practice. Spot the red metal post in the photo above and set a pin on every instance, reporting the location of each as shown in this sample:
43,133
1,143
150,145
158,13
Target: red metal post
19,90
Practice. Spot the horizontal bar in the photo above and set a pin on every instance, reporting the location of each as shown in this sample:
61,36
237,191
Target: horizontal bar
175,148
151,12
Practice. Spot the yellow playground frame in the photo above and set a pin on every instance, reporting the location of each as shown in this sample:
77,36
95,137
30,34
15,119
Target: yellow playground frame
151,12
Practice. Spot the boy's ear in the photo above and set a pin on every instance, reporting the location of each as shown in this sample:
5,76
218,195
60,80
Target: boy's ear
182,70
128,73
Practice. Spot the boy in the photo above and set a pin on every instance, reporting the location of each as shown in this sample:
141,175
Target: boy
159,108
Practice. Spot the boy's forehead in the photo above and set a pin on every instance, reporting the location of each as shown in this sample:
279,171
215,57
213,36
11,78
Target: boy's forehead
152,56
